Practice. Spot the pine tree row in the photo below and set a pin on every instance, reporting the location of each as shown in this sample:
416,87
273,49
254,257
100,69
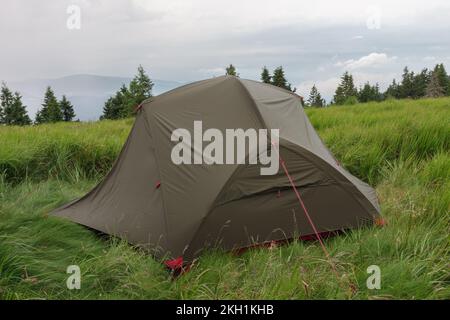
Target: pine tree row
427,83
14,112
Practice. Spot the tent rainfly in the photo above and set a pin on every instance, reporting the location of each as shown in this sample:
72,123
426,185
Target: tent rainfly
177,210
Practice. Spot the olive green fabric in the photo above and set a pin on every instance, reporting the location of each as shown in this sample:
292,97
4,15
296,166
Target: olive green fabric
230,206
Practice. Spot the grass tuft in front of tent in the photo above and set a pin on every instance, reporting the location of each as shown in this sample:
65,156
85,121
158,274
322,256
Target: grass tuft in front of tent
400,147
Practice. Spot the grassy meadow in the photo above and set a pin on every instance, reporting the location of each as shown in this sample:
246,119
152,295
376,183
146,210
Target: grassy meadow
402,147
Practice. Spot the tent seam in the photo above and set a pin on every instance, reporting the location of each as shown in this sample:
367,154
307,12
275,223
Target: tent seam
264,125
318,167
149,131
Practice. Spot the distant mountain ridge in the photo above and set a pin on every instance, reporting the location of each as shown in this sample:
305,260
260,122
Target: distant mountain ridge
87,92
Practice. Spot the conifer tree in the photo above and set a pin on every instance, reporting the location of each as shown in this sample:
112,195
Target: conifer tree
279,79
6,100
1,114
124,102
420,82
407,84
50,111
17,113
39,117
231,71
315,98
434,88
265,75
393,91
13,112
346,90
369,93
116,107
443,78
66,109
140,87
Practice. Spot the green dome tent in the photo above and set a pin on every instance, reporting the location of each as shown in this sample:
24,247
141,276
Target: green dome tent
177,210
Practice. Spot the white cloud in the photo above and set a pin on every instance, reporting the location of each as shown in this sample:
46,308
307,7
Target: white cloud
258,14
174,39
373,59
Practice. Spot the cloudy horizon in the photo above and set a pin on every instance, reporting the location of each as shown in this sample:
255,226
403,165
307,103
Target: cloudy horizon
185,41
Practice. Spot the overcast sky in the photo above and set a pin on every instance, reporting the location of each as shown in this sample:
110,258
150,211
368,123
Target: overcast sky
186,40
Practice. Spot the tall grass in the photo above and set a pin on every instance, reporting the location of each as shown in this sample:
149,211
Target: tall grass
402,147
367,136
364,137
61,150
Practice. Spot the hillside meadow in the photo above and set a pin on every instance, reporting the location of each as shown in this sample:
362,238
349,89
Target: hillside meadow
402,147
